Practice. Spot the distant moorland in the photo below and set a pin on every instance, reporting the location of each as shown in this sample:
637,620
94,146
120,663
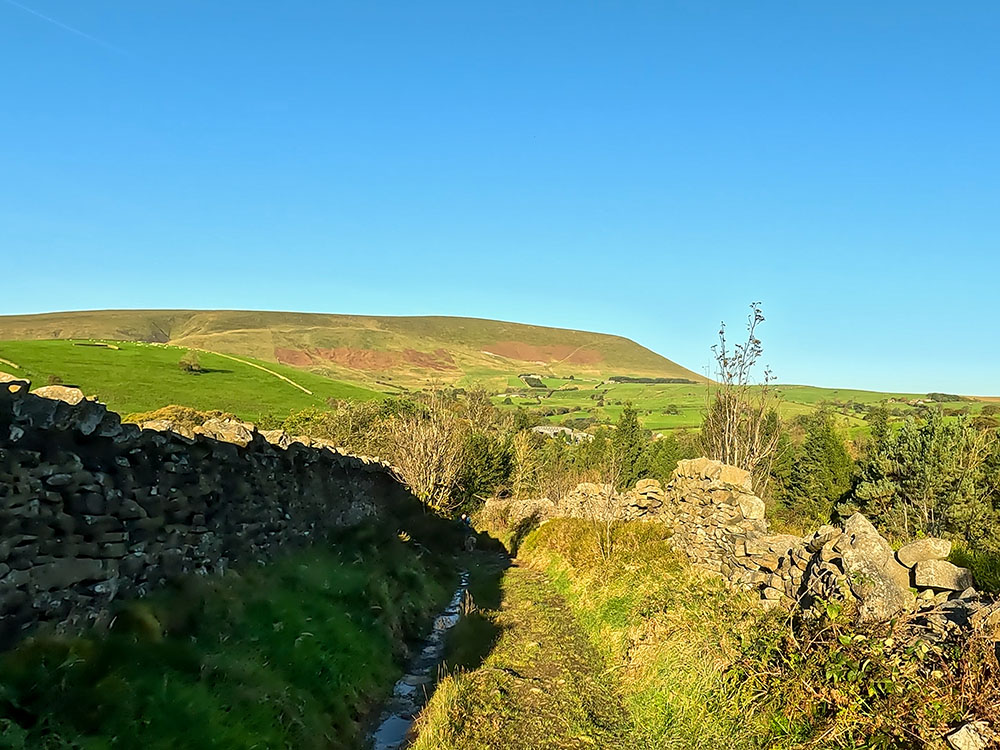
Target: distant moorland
261,364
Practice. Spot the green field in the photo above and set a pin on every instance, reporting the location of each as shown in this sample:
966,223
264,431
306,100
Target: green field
137,377
668,406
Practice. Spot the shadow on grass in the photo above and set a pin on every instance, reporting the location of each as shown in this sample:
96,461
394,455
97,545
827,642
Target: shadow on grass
524,527
477,633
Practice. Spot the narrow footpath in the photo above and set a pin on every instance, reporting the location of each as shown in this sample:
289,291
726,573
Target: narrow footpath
541,686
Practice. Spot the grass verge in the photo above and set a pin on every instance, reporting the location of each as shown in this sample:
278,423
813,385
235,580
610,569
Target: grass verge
703,667
542,686
290,655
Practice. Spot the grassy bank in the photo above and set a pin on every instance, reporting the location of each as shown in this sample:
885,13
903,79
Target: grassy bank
701,666
669,633
290,655
680,661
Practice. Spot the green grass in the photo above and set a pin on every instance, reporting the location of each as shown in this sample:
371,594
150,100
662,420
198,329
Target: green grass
700,666
543,686
291,655
142,377
667,631
669,406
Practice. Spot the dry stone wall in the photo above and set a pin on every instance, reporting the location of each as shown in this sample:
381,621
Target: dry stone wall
92,510
719,524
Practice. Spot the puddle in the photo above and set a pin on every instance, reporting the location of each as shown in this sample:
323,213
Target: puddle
413,689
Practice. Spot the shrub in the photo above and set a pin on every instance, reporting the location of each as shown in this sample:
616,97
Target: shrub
190,362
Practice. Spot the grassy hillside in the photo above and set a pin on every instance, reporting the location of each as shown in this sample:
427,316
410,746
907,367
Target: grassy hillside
578,375
132,377
401,351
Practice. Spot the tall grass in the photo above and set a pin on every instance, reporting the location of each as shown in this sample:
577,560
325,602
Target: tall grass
671,633
290,655
701,666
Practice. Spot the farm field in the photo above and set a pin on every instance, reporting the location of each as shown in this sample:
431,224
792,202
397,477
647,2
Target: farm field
138,377
667,406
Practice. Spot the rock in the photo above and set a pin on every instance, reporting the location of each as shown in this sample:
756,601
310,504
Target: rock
228,431
715,472
780,544
279,438
941,575
13,383
65,393
736,477
877,580
975,735
751,506
930,548
61,574
59,480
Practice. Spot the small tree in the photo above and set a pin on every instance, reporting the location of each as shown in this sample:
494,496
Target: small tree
603,509
821,471
741,425
937,477
627,444
190,362
524,477
426,450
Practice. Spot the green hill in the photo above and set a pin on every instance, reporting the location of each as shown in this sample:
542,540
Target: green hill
386,351
289,361
138,377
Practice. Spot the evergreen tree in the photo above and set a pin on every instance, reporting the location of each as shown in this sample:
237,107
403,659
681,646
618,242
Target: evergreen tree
821,471
934,477
628,442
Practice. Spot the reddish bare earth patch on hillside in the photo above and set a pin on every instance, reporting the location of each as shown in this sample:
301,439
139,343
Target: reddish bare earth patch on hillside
294,357
360,359
438,360
559,353
367,359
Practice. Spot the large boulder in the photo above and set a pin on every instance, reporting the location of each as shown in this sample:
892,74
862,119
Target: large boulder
941,575
930,548
880,584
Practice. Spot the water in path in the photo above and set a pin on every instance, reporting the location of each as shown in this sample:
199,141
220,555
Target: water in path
411,692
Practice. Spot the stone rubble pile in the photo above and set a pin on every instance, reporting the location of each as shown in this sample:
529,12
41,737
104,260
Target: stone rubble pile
92,509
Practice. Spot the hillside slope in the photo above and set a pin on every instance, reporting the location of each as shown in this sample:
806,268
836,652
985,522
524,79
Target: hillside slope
137,377
407,351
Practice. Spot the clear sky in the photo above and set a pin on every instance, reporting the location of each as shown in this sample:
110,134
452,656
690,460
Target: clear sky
639,168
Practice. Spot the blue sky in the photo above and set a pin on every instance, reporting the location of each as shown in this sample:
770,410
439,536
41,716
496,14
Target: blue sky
639,168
